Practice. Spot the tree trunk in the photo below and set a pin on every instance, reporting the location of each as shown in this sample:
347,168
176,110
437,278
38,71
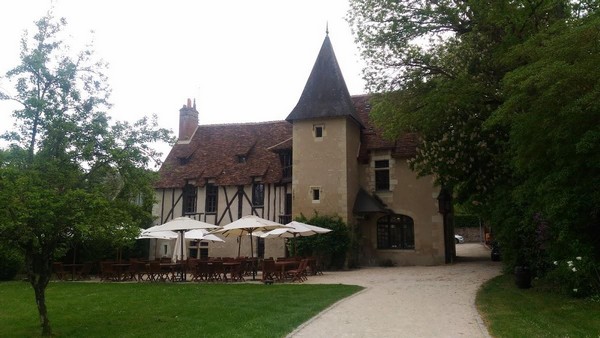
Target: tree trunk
39,271
40,300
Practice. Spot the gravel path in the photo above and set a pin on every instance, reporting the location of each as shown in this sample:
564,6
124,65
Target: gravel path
436,301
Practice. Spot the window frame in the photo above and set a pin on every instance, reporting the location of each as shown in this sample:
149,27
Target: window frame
395,232
211,202
258,196
189,199
316,192
382,175
319,131
286,164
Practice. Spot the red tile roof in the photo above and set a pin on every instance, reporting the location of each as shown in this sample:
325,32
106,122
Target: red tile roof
371,139
214,151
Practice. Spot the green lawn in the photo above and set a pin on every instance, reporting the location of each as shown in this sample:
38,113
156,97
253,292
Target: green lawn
512,312
165,309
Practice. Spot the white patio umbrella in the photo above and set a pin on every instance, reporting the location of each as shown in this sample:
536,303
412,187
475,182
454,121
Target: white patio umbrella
152,233
246,226
180,248
181,225
295,229
202,235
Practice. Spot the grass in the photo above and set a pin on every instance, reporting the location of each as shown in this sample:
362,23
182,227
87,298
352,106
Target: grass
512,312
165,309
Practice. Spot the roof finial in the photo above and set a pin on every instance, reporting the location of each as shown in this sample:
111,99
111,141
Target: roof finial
327,28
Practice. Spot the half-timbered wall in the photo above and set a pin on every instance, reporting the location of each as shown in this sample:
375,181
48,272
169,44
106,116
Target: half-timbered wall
233,203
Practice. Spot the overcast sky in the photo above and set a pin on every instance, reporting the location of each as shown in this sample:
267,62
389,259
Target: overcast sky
243,61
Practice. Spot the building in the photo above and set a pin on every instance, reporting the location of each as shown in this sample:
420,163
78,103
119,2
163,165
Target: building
326,157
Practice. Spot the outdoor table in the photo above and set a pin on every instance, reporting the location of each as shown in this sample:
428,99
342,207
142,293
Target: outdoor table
121,271
173,269
230,267
282,266
75,269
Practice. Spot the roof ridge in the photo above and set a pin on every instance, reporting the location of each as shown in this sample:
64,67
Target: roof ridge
241,123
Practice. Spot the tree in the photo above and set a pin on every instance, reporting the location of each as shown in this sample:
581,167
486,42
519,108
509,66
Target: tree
504,96
69,174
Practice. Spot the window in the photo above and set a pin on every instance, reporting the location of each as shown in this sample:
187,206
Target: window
286,164
241,158
212,193
318,130
382,175
258,194
395,232
315,193
189,199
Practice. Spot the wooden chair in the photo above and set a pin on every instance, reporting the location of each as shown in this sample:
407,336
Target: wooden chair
156,273
202,271
216,271
107,272
269,272
298,274
59,270
85,271
138,270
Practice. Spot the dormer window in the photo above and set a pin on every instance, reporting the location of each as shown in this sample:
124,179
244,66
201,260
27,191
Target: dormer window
184,160
241,158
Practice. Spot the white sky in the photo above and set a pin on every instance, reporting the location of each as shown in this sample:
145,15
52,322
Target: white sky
243,61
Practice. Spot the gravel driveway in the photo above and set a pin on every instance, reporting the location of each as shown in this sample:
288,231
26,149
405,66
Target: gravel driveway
436,301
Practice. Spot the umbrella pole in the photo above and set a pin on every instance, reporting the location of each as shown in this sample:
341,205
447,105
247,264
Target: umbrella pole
239,244
295,247
252,256
181,272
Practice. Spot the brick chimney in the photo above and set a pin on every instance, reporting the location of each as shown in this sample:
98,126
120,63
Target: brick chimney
188,120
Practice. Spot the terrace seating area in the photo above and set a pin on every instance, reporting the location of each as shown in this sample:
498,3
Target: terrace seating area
211,270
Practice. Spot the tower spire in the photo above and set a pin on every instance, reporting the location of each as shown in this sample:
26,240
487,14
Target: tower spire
327,28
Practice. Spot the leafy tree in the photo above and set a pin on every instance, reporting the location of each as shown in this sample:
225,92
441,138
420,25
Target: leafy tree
504,95
69,175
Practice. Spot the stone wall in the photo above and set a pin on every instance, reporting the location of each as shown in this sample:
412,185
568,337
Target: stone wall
471,235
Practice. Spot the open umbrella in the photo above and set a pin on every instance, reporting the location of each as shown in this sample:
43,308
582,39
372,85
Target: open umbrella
181,225
202,235
152,233
295,229
246,226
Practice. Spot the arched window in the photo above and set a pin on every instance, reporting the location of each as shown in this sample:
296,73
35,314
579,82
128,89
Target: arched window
190,195
395,232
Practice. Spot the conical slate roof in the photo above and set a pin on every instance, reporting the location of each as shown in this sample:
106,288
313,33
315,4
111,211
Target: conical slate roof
325,93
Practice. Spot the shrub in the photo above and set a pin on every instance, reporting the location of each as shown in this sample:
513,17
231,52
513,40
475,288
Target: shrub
11,262
331,248
579,276
466,221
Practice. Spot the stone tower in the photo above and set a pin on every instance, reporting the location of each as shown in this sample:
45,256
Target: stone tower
326,142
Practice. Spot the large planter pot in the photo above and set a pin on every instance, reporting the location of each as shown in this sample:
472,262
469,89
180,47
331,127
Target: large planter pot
522,277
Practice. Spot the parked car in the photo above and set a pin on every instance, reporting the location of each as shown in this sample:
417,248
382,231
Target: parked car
459,239
495,252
